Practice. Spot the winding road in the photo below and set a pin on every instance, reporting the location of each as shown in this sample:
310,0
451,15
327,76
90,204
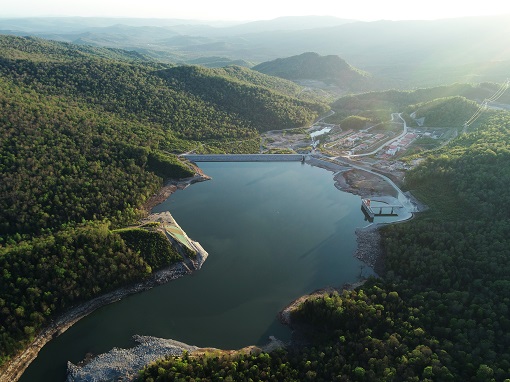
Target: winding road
393,117
402,198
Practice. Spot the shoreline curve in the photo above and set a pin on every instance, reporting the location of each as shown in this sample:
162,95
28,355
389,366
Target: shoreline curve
368,251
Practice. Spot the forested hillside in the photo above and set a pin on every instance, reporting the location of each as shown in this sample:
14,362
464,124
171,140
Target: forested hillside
241,98
311,66
86,137
400,53
179,99
444,112
256,78
440,312
378,105
37,49
453,263
63,162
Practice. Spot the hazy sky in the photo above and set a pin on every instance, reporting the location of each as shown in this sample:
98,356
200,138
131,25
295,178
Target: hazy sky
255,10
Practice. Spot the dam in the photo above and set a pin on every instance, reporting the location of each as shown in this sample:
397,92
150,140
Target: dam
245,157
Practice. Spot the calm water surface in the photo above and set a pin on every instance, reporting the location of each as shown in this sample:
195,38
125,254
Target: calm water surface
274,231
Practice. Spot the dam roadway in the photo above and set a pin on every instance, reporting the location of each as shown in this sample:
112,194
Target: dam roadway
245,157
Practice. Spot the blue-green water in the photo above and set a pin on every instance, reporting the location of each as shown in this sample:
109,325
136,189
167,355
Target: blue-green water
274,231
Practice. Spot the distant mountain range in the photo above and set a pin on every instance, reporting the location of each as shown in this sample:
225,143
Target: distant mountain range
405,53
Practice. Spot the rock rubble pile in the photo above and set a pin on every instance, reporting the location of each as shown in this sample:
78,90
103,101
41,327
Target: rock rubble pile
369,245
124,364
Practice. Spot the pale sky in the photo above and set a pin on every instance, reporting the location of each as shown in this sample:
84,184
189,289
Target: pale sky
367,10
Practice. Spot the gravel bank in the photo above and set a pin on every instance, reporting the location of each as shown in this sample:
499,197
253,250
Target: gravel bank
124,364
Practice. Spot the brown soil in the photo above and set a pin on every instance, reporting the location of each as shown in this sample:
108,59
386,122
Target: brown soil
364,184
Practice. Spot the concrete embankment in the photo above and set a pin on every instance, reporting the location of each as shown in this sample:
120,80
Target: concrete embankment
245,157
166,218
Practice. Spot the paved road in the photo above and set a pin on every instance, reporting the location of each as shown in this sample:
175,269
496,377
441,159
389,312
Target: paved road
402,198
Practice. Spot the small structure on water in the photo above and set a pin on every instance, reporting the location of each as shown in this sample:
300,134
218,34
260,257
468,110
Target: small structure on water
372,211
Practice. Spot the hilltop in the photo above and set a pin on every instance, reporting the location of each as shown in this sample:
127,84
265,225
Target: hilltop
312,66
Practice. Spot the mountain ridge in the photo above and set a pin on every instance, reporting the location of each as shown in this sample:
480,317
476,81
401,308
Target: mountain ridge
330,69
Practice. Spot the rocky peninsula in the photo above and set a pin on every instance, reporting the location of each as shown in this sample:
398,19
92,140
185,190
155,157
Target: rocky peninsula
124,364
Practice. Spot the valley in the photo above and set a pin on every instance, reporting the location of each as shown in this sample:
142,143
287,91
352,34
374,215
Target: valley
101,121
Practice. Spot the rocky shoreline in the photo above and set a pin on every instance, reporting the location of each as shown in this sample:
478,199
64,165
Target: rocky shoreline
124,364
170,187
369,248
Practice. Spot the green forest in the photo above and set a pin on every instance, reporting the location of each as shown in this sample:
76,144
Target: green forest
444,112
440,310
87,136
447,105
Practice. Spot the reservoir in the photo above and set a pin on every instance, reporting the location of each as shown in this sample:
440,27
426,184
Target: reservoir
273,231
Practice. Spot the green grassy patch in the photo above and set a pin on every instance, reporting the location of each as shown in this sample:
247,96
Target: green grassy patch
153,246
